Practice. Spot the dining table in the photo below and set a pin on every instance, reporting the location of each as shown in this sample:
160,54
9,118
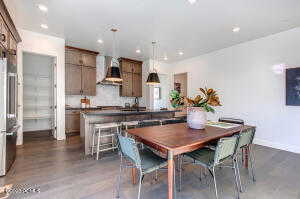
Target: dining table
176,139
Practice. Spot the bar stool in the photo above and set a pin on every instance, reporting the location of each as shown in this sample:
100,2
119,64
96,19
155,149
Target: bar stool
128,125
98,132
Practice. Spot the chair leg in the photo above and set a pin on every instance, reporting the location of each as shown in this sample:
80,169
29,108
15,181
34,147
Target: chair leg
140,185
156,175
119,178
239,174
93,141
215,182
236,178
98,144
180,172
252,163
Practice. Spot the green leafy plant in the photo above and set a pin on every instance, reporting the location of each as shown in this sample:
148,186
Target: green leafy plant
176,99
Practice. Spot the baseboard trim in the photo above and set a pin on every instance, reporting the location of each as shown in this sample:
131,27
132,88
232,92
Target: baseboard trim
276,145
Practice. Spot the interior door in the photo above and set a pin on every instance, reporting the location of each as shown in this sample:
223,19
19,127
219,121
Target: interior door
89,81
73,79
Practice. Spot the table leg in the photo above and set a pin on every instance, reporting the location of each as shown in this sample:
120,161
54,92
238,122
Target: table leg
133,175
170,175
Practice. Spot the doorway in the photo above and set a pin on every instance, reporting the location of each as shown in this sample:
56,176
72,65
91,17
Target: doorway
181,85
39,98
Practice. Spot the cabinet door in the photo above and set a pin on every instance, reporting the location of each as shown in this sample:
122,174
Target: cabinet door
4,37
89,60
73,57
126,88
126,66
137,68
137,85
72,122
89,81
73,79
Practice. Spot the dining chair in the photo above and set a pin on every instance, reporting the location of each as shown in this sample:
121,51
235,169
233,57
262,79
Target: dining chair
131,157
245,142
210,159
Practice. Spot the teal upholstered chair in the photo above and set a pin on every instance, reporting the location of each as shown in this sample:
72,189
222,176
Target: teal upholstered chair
210,159
144,160
245,142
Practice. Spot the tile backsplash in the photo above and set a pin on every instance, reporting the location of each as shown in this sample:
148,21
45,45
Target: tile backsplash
106,95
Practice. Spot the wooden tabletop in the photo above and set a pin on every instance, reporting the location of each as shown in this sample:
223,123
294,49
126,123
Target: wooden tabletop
179,138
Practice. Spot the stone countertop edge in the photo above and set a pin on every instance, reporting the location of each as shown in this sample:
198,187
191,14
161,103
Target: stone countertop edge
118,112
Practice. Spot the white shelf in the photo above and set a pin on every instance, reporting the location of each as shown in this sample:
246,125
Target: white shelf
37,117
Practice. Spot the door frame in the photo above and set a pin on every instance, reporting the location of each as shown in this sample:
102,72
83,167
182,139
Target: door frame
21,94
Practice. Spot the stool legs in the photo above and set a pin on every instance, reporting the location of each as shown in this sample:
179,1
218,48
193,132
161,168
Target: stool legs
98,144
93,141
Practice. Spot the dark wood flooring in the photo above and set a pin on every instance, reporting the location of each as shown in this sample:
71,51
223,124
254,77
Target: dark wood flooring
59,170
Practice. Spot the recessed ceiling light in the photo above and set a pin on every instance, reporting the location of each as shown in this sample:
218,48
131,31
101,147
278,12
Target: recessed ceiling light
236,29
44,26
100,41
165,58
180,53
42,7
192,1
138,51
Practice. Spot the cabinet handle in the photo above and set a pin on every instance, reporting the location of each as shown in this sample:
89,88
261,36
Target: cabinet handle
3,37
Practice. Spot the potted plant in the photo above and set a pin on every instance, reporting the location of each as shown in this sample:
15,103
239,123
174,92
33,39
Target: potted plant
199,106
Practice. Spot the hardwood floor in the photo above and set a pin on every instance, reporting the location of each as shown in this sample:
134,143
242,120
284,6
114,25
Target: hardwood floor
58,169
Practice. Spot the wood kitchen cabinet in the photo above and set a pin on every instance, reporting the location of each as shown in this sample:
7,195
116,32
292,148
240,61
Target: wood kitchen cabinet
88,81
73,79
80,71
132,78
72,121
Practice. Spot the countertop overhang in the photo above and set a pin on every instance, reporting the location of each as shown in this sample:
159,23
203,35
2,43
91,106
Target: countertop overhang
120,112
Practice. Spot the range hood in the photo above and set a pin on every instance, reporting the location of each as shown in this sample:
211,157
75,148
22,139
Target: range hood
107,63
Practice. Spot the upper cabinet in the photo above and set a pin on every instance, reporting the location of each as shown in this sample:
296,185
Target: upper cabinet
132,78
9,36
80,71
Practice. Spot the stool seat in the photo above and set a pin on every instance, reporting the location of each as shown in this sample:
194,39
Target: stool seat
106,125
130,123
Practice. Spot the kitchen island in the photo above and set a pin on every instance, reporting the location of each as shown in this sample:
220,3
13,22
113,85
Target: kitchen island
87,119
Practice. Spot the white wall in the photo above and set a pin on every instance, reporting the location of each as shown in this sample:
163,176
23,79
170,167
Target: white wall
162,69
248,87
105,95
46,45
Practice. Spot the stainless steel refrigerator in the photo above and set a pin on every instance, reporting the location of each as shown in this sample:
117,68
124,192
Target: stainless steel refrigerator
8,111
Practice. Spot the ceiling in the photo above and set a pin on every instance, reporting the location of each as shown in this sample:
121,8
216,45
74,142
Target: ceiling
176,25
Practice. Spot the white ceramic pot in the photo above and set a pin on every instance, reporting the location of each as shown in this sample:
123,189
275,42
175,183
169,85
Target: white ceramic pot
196,118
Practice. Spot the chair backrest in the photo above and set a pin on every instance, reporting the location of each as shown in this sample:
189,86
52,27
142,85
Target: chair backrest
231,120
246,137
226,148
129,149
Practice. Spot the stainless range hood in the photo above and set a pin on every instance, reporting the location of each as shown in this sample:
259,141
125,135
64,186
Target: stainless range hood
107,63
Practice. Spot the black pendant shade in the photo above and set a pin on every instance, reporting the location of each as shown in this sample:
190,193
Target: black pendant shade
153,78
113,74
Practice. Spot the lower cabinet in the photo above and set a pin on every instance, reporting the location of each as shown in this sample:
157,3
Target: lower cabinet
72,121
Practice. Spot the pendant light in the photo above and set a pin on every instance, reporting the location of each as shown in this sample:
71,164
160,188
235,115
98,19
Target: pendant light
153,78
113,71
